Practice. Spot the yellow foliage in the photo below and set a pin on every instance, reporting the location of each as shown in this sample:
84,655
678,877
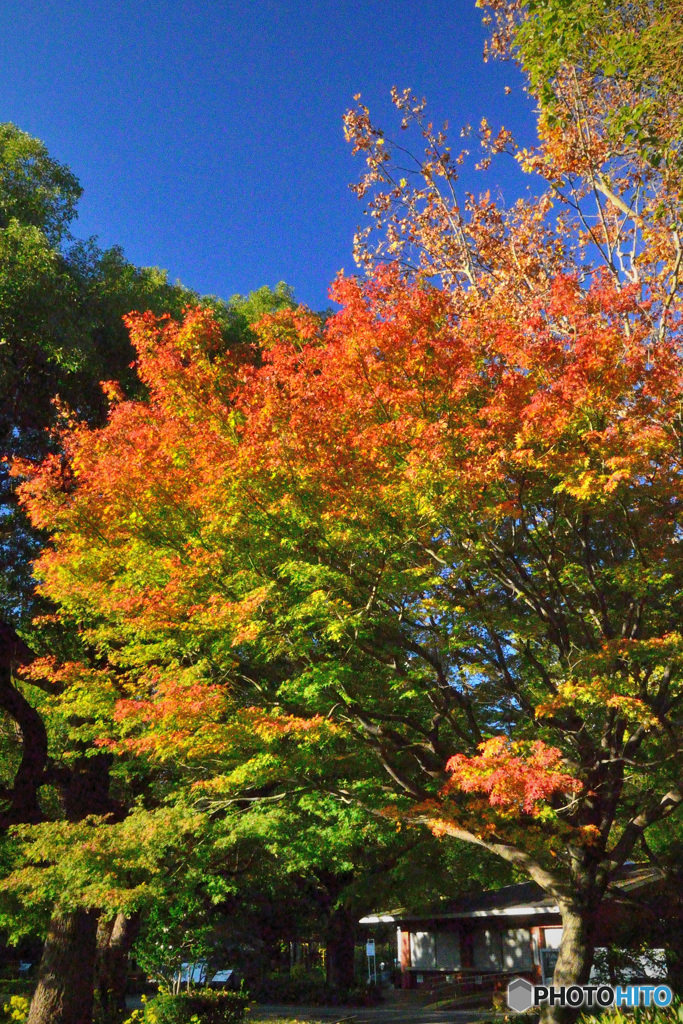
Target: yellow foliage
17,1008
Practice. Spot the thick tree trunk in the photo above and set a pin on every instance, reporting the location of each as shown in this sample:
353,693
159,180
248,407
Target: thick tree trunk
115,936
65,979
340,943
575,957
578,945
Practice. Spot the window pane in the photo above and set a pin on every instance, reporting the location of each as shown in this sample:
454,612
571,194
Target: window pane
448,950
422,950
553,937
487,950
517,950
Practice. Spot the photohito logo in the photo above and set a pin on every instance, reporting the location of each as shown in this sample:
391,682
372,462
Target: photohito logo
522,995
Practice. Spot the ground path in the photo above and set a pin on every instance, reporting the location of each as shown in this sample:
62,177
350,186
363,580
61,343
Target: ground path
364,1015
398,1008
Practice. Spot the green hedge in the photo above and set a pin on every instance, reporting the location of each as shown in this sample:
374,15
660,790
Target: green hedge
205,1005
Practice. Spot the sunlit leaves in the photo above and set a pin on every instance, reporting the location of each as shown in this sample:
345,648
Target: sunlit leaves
515,775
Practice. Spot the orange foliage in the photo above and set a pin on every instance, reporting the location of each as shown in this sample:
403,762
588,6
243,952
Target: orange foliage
194,531
515,775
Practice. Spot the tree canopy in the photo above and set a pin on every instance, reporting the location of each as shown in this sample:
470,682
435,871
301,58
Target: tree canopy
420,559
437,536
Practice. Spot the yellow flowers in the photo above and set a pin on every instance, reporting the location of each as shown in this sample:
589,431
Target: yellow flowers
17,1008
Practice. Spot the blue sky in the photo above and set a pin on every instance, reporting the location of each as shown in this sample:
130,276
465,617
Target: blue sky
207,135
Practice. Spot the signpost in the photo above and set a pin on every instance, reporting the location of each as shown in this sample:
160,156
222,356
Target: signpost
372,961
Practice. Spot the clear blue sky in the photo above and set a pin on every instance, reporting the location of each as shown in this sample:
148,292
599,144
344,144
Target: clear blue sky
207,135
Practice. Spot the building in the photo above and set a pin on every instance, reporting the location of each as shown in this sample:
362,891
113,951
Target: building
510,932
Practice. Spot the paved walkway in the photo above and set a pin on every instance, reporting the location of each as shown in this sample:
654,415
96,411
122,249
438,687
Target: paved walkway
398,1008
366,1015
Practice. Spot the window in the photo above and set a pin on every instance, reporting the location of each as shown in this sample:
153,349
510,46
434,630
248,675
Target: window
486,949
553,937
517,955
448,950
423,950
548,961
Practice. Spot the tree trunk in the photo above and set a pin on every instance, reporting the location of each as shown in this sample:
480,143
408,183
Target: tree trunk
115,936
575,957
65,978
340,943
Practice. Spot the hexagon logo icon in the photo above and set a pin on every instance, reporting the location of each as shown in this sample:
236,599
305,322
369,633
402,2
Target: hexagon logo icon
520,995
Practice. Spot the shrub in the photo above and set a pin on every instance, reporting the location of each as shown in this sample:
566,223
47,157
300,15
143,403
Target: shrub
204,1006
16,987
672,1014
311,990
15,1009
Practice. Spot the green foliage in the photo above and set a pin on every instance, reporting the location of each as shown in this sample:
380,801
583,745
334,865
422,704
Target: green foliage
61,329
250,308
124,866
35,189
634,42
16,987
177,931
672,1014
204,1006
311,989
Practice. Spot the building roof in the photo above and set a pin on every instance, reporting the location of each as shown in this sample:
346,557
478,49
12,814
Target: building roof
524,899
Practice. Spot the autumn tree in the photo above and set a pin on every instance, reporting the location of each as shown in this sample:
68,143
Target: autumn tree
447,537
62,300
61,303
423,557
61,307
632,47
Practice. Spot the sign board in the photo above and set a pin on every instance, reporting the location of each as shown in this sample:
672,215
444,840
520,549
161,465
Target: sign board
370,947
548,961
